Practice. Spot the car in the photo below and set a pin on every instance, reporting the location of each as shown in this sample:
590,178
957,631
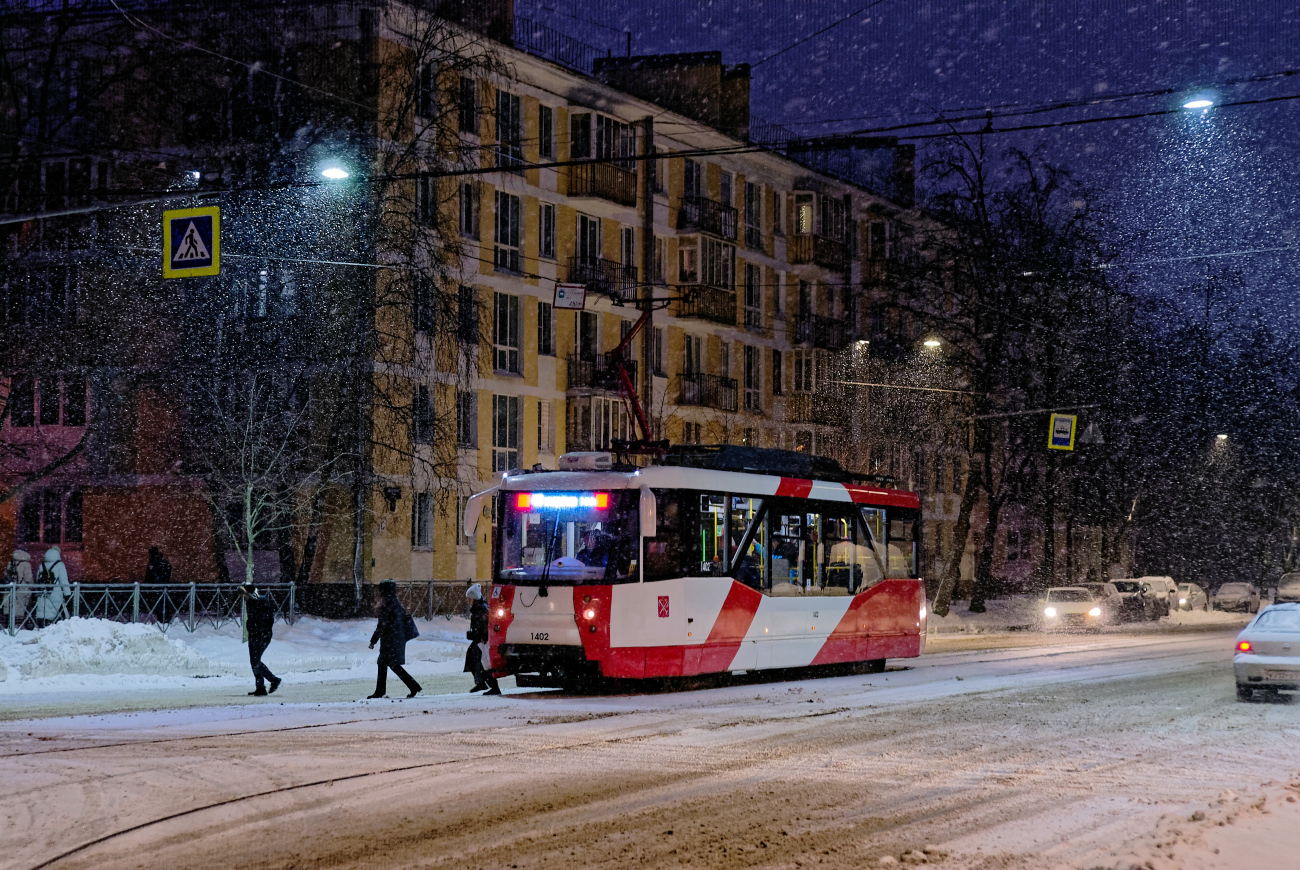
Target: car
1163,591
1267,656
1127,602
1192,597
1237,596
1288,588
1069,607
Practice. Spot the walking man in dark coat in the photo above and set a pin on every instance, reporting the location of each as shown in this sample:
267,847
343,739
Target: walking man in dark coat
258,622
476,656
392,634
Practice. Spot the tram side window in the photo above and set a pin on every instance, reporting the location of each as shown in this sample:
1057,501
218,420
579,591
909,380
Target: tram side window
666,553
710,529
902,543
749,521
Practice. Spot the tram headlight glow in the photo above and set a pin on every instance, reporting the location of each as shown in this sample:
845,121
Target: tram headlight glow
589,613
923,611
501,611
1049,612
1096,611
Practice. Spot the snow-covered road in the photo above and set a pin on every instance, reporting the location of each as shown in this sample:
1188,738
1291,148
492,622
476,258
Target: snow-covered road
1076,752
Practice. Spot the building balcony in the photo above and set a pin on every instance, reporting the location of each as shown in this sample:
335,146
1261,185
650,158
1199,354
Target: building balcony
597,374
703,214
605,277
827,333
603,181
820,409
702,302
824,252
707,391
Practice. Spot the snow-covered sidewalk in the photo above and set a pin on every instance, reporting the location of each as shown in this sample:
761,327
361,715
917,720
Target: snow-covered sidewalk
95,655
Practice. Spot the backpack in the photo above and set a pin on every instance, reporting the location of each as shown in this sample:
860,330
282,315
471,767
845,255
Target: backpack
11,574
408,626
46,573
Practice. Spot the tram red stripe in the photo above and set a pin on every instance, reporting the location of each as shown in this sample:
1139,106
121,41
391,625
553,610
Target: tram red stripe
730,628
793,487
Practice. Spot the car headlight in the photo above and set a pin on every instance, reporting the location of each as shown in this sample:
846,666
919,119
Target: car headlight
1096,611
1182,601
1049,612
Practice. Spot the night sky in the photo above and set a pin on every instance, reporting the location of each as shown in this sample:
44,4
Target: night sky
1181,186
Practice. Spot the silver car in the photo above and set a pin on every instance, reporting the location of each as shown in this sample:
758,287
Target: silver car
1288,587
1192,597
1267,656
1237,596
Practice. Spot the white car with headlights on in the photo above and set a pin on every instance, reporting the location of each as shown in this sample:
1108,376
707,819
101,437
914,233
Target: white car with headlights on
1192,597
1267,657
1069,607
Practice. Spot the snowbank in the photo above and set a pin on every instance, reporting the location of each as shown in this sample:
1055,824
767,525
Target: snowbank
99,655
1020,613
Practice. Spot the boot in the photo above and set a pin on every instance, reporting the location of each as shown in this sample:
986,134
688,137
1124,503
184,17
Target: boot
414,692
376,695
479,687
275,684
261,690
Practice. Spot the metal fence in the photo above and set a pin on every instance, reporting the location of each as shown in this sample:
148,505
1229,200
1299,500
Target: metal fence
33,606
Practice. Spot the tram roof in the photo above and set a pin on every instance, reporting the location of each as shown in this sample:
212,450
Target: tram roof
711,480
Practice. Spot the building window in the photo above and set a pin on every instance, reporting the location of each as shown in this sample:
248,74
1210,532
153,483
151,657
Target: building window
510,153
803,214
589,239
546,236
753,379
587,337
47,400
505,333
727,195
956,475
579,136
426,200
545,427
693,360
753,215
422,416
50,517
505,433
546,132
627,239
426,94
74,401
659,260
724,359
778,375
805,371
22,403
467,106
880,240
776,212
688,260
753,296
694,178
545,329
467,328
466,418
508,231
717,264
469,209
658,351
421,521
424,301
803,441
691,433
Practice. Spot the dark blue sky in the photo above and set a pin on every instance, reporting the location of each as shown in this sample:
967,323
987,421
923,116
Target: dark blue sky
1183,185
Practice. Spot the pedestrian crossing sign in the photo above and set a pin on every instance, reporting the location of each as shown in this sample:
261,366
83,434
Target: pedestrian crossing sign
192,242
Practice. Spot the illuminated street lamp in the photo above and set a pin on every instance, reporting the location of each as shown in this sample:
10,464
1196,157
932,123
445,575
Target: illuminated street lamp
1198,104
1220,437
932,343
335,173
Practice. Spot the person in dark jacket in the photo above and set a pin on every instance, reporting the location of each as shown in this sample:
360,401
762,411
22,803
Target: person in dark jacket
476,655
258,622
391,635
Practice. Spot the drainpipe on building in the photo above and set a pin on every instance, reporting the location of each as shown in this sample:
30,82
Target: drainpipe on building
647,268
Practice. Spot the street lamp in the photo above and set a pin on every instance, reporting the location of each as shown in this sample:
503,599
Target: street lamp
1220,437
335,173
1198,104
932,343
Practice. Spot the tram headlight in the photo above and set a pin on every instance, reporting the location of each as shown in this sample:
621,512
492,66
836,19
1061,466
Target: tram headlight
1096,611
1049,612
589,613
501,612
922,611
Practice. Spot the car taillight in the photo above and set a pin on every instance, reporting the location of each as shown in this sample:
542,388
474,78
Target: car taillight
1244,646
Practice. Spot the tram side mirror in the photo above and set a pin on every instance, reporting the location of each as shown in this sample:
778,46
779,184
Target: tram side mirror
474,509
649,513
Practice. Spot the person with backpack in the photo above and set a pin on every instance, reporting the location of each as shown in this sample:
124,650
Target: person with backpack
259,620
52,605
17,589
395,628
476,657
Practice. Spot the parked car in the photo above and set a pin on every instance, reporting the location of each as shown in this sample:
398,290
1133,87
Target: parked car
1069,607
1163,592
1127,602
1267,657
1237,596
1288,588
1192,597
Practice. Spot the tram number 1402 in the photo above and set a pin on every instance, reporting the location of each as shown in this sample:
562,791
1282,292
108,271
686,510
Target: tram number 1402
540,635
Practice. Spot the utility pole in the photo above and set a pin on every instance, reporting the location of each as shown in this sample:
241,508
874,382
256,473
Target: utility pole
647,275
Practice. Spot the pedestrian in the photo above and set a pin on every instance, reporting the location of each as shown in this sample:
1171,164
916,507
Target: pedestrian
52,605
476,657
158,570
259,620
392,632
17,589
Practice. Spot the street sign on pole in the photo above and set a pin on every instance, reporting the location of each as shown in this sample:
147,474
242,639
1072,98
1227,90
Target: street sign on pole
1060,433
571,296
192,242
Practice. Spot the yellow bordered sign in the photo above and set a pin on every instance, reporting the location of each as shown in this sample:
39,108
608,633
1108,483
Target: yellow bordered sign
192,242
1060,433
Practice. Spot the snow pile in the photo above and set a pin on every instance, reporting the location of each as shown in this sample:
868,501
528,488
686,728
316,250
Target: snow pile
77,654
96,646
1019,613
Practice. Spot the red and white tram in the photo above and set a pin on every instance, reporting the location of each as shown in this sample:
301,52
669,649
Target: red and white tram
703,563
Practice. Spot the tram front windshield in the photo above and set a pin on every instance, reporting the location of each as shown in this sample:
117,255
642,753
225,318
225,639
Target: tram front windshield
569,538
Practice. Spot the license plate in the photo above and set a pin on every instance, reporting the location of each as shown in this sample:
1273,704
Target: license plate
1280,675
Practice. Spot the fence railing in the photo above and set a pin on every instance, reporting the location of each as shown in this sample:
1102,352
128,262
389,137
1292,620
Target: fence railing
32,606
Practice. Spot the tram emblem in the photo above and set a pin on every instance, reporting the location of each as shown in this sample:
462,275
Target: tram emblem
663,606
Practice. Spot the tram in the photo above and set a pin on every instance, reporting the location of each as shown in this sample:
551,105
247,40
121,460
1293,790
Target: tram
708,561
